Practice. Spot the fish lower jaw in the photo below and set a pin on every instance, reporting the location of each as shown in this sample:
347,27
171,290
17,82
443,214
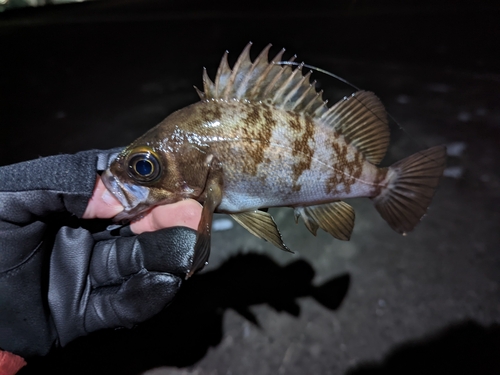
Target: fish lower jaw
133,198
114,188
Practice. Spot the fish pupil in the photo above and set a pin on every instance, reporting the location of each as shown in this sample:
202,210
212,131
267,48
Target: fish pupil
144,167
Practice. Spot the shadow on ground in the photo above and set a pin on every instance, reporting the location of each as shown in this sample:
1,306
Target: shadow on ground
182,334
465,348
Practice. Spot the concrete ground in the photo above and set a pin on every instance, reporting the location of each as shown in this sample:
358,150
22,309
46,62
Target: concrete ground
97,75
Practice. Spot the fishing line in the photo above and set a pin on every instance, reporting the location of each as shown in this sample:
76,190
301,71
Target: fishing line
319,70
312,67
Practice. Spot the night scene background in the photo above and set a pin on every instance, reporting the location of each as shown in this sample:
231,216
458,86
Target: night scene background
98,74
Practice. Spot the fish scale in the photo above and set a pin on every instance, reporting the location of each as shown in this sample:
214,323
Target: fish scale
270,159
261,136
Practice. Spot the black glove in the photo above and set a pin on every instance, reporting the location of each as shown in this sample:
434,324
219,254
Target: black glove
60,279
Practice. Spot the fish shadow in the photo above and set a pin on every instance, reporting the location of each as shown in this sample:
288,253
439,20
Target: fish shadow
181,335
463,348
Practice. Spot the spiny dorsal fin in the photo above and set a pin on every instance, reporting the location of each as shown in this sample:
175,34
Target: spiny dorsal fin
361,118
261,80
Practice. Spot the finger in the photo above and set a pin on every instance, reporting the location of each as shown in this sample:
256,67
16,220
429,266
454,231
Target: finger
168,250
10,363
102,204
137,299
186,213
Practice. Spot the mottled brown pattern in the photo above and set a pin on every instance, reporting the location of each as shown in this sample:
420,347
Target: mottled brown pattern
301,147
210,112
295,121
259,125
345,172
379,183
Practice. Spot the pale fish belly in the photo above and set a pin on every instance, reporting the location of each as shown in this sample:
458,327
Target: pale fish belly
298,170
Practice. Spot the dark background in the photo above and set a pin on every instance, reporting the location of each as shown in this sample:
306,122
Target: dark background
98,74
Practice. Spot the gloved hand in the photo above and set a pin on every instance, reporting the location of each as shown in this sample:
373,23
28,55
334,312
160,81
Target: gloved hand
62,277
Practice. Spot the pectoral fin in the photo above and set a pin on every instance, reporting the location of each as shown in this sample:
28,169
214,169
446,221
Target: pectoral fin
262,225
202,246
336,218
213,193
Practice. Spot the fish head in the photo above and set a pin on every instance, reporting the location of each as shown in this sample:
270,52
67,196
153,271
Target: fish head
156,169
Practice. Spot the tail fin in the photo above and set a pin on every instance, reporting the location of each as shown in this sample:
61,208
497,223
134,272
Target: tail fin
411,184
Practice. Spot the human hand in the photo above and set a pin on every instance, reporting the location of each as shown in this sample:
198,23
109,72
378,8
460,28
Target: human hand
184,213
166,253
64,280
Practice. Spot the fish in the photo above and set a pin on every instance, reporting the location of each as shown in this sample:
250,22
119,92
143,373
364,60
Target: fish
262,136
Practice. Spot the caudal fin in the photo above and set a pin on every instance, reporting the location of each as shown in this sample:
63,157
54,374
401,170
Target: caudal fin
411,184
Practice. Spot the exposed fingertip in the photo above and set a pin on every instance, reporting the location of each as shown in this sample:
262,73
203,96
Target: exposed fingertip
186,213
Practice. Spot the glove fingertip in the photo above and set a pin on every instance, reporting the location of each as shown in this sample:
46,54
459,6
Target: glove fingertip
169,250
138,299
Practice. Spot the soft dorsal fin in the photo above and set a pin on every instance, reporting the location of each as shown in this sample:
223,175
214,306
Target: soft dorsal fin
361,118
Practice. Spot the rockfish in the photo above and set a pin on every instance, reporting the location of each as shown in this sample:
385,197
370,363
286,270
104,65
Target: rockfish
262,136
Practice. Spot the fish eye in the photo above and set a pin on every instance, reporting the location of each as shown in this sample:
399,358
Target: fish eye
144,167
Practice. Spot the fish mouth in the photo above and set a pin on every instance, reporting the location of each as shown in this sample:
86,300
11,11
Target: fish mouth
132,197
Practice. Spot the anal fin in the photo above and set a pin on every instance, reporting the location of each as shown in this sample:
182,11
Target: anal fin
262,225
336,218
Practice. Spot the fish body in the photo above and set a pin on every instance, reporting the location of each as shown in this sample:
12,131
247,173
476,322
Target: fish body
261,136
266,162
